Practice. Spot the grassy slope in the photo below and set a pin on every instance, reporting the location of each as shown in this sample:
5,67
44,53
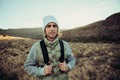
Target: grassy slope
95,61
24,32
34,33
93,33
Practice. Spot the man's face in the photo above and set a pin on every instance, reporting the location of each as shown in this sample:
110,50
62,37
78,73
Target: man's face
51,30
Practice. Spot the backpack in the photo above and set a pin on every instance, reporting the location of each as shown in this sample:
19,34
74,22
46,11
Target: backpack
45,52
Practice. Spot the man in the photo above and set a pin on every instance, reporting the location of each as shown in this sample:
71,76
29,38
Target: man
57,64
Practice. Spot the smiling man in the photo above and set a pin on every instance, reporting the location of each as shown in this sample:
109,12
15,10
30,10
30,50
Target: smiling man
50,58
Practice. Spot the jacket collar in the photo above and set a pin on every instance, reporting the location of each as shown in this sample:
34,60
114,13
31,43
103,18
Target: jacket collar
51,44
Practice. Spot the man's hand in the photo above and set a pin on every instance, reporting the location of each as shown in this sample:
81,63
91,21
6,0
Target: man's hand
48,69
63,67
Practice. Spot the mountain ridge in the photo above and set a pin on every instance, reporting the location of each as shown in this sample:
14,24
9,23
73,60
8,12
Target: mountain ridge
97,31
107,30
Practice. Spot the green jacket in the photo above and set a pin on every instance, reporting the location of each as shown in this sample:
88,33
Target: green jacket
34,64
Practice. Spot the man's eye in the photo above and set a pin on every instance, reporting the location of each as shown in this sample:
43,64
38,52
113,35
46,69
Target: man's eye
54,25
48,26
51,25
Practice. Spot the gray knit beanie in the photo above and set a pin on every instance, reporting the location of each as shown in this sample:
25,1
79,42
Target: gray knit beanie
48,19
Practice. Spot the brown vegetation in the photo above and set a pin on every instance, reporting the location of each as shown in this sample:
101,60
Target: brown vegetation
13,52
95,61
107,30
23,32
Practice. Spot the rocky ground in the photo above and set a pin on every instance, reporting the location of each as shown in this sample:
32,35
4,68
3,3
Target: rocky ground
95,61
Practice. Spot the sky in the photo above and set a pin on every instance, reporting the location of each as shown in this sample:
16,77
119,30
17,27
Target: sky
69,13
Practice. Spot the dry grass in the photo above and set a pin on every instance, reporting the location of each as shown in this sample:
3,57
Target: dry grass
13,52
95,61
5,37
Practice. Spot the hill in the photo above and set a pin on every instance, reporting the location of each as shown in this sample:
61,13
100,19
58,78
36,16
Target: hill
34,33
107,30
104,30
23,32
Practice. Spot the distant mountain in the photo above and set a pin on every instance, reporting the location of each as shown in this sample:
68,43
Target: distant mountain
104,30
23,32
35,33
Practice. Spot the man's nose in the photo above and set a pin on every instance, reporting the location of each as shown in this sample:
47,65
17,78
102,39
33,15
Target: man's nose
52,28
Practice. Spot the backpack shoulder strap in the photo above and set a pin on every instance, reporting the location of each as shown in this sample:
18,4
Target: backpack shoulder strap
44,52
62,51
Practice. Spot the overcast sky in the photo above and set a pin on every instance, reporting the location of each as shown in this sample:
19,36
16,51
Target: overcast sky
69,13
